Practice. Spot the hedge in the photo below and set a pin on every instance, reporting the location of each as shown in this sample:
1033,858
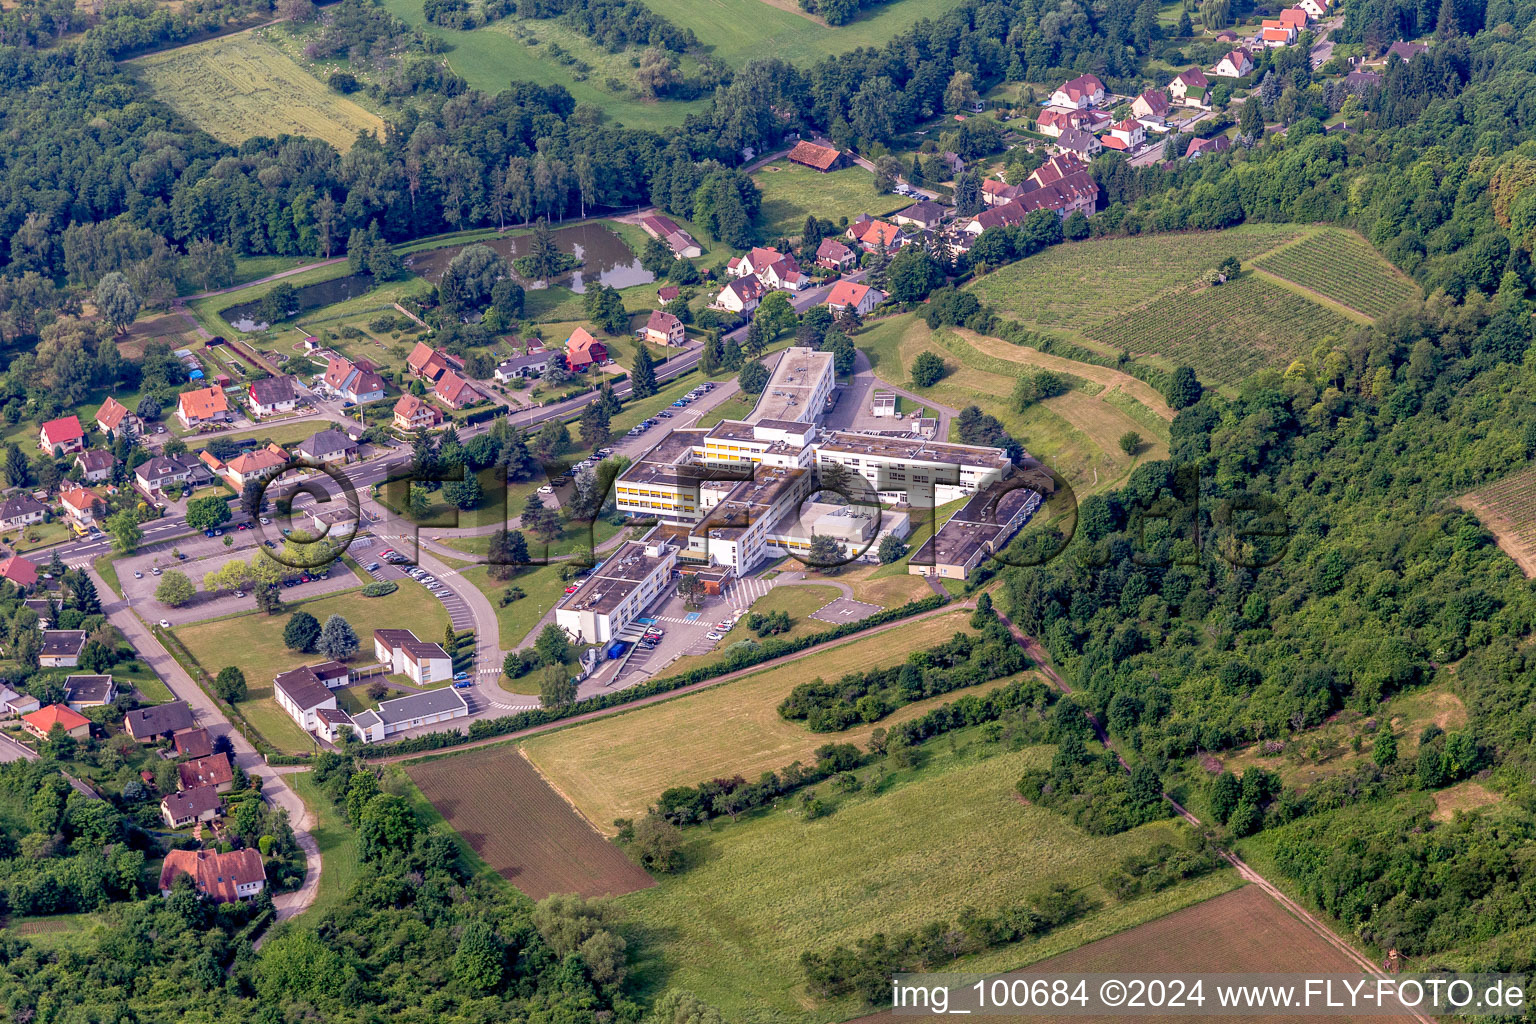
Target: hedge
486,728
1017,334
380,588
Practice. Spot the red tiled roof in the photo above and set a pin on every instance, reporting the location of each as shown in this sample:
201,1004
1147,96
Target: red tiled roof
203,403
111,414
19,571
811,155
63,430
847,293
217,875
213,770
44,719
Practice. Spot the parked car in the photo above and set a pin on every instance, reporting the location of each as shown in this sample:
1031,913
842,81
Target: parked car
165,624
463,685
155,571
239,593
137,575
713,636
371,567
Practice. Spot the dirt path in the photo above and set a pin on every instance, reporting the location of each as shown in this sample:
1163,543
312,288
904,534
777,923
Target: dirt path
1247,873
263,280
670,694
1138,389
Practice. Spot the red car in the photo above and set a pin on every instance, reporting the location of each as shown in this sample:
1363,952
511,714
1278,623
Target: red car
572,589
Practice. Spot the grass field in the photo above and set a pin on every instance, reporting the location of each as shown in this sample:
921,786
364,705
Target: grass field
522,828
616,767
339,862
1225,333
1342,266
917,847
1076,433
1243,930
1508,509
791,191
740,30
241,85
254,644
541,586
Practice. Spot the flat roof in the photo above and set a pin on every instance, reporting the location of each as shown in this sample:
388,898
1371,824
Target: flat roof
914,449
982,521
792,385
614,580
420,705
669,461
747,501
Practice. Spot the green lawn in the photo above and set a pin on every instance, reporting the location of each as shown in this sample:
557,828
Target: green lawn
254,644
542,586
280,432
339,862
38,535
106,568
149,688
741,30
575,535
791,191
917,847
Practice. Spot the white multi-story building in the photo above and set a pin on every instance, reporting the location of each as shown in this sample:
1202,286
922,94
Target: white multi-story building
418,660
618,591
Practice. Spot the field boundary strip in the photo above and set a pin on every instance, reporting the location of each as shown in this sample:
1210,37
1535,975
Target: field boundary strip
1313,295
562,794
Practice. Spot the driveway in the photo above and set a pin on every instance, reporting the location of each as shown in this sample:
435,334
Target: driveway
852,411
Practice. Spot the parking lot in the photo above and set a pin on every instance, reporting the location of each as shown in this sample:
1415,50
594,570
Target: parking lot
203,556
686,634
369,552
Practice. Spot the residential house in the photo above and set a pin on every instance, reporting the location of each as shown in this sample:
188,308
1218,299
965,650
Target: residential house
1082,91
521,367
272,395
1361,80
1200,147
19,571
834,255
1079,143
582,350
13,703
1226,36
331,723
411,413
149,724
1130,133
1316,8
1189,87
455,392
754,262
191,806
352,381
421,661
61,648
681,243
166,471
21,510
81,506
95,465
1054,169
213,770
1151,104
954,161
41,722
261,464
924,214
784,275
741,296
664,329
1295,18
113,418
426,361
203,407
1064,196
1235,64
62,435
874,235
1406,51
1053,121
998,193
193,743
81,692
667,292
1274,34
816,157
326,448
861,298
301,693
1006,215
222,877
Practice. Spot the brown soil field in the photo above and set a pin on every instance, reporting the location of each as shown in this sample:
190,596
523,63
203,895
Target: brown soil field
1508,510
522,828
1243,930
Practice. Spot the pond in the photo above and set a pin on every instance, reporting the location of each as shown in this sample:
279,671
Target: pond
247,315
604,258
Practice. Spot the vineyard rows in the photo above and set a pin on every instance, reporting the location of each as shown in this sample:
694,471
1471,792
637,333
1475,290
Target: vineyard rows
1226,332
1079,285
1513,501
1342,266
